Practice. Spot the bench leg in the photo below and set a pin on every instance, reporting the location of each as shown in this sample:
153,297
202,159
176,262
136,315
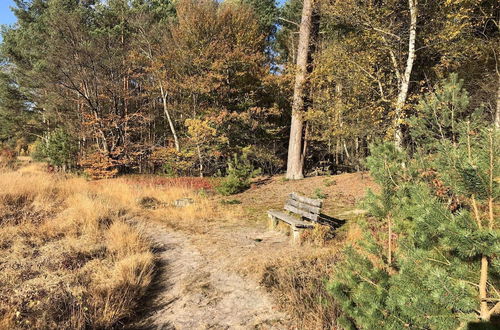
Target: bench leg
296,232
273,222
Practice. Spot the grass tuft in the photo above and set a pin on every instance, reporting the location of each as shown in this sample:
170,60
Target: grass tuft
68,257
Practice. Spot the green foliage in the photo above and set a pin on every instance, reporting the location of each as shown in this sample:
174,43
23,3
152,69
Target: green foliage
441,114
17,120
59,149
266,12
230,202
442,204
239,173
319,194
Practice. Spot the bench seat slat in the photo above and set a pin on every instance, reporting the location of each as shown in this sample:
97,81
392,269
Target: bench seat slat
291,220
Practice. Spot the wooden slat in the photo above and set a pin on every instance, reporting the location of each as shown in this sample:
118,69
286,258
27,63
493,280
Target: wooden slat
305,214
291,220
310,201
303,206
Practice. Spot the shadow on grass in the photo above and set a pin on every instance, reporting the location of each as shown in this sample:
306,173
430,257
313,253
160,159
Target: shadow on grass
334,223
149,304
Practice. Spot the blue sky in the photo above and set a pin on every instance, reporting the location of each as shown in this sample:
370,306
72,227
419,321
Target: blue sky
6,16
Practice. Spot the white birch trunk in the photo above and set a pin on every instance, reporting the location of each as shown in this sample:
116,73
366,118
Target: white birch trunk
405,79
169,119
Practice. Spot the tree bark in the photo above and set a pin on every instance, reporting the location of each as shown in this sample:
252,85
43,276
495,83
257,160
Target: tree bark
405,79
497,114
483,280
169,119
295,163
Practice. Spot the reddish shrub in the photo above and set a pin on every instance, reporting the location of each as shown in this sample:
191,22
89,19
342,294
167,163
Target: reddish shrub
195,183
7,157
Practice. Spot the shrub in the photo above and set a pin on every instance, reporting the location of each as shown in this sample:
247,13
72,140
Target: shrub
99,166
7,157
59,149
430,261
174,163
319,194
239,173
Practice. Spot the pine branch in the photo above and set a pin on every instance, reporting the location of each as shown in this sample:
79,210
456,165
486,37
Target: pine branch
495,309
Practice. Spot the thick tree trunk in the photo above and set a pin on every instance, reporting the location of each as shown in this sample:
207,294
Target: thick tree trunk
405,79
169,119
295,164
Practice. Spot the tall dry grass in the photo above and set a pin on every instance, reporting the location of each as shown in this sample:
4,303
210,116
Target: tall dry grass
68,257
298,283
199,217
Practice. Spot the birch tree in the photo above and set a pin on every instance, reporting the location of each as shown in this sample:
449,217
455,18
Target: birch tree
404,82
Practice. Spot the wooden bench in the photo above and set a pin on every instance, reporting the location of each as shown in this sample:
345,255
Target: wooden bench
300,213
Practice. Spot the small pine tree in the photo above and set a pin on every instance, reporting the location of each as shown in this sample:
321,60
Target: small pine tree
443,201
239,173
59,149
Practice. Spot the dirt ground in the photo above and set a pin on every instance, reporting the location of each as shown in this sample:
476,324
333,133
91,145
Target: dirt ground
210,280
340,193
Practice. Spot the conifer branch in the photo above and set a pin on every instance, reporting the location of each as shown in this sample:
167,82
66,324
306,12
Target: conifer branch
442,262
494,289
371,282
495,309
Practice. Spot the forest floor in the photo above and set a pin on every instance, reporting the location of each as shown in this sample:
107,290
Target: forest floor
211,270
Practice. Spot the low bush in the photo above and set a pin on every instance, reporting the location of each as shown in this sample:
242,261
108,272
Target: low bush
99,166
239,173
58,149
7,158
299,284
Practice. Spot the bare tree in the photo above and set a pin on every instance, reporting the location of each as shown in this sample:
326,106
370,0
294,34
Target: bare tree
295,163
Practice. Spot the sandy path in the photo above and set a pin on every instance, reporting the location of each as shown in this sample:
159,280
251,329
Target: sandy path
195,291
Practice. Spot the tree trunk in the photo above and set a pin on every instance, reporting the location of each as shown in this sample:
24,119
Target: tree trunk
483,280
169,119
405,79
200,158
497,114
295,163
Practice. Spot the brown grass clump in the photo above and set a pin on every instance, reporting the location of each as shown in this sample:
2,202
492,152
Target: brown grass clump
298,283
68,258
320,235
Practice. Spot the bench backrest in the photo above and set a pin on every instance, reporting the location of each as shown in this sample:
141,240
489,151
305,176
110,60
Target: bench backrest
306,207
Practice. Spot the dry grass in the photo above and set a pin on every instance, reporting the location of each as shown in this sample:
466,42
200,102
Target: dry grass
298,284
297,276
197,218
68,258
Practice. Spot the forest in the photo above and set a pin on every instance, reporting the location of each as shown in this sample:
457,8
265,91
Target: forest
404,91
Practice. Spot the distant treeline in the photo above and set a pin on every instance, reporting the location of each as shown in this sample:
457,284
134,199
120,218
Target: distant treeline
181,86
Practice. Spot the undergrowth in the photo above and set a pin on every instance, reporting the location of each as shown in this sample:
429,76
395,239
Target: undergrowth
298,284
68,258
